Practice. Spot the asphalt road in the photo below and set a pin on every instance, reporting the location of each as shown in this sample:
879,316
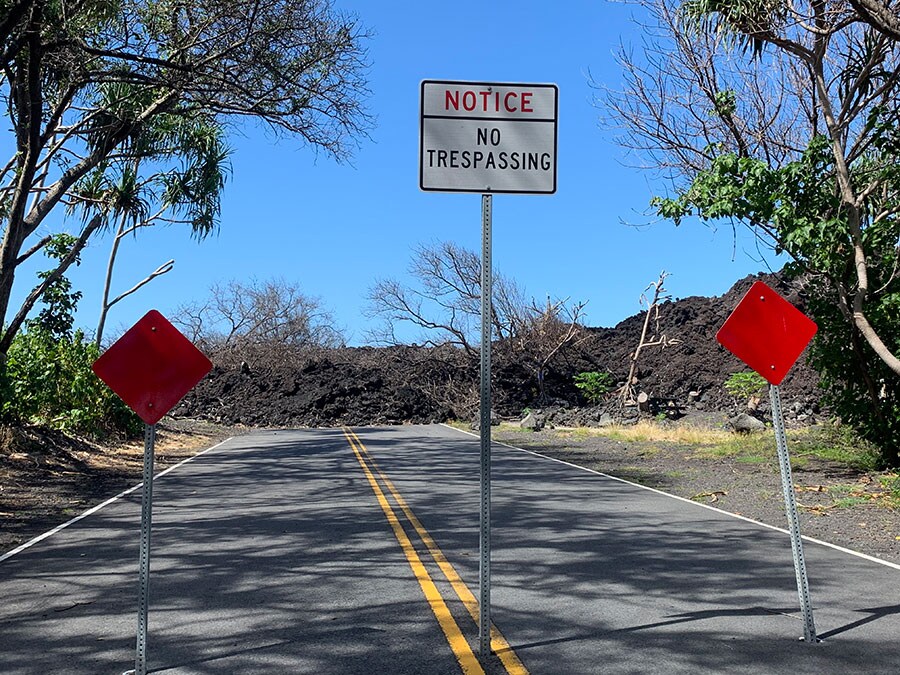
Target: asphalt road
317,551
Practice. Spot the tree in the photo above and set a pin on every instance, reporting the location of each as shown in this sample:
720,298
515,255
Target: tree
258,322
88,83
47,378
783,117
189,194
540,332
882,15
655,339
445,301
445,304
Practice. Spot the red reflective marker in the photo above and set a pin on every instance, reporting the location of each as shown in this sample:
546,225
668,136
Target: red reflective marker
152,366
766,332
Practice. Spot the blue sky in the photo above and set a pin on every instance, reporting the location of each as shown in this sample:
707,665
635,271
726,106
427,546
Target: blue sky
335,228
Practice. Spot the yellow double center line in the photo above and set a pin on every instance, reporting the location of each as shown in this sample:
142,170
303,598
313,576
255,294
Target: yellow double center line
458,643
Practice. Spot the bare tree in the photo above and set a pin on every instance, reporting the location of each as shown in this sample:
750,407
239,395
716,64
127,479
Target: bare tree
89,83
271,322
541,332
655,339
445,303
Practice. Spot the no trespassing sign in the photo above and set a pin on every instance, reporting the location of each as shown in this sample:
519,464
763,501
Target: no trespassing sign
488,137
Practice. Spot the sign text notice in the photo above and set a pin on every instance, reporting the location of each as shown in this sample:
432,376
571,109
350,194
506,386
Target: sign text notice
488,137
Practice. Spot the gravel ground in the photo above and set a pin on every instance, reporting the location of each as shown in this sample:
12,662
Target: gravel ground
838,505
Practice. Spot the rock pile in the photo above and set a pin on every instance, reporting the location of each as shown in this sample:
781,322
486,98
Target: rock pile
396,385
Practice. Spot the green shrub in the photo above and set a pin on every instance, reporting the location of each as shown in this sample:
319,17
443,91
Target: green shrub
746,385
857,385
593,385
48,380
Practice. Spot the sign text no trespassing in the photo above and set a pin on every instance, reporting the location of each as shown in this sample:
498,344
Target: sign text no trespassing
488,137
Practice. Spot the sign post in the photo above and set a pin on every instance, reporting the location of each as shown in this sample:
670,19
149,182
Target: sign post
484,539
151,367
487,138
768,333
140,659
790,503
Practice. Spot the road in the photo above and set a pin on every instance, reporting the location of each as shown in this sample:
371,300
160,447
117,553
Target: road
356,551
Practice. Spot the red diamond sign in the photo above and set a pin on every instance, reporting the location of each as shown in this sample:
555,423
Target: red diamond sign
766,332
152,366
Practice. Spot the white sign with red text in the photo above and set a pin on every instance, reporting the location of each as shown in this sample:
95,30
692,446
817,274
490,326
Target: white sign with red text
488,137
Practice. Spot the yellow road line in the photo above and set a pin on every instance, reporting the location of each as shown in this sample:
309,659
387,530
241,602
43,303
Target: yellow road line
499,644
467,660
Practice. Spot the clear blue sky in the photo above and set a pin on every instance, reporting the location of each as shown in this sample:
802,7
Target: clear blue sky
335,228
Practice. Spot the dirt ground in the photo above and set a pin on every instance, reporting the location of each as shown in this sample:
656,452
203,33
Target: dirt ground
46,478
838,505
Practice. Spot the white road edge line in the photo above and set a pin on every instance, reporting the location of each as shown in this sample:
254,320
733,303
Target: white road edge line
687,501
94,509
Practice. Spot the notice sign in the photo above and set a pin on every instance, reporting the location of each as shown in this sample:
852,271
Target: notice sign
488,137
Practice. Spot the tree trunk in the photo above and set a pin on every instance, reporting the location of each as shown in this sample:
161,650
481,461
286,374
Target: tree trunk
878,15
849,201
104,306
35,295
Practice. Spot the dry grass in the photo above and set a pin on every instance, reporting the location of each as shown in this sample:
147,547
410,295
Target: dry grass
824,442
644,432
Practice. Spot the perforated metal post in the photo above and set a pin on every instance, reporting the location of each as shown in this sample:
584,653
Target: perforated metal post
484,617
140,656
790,504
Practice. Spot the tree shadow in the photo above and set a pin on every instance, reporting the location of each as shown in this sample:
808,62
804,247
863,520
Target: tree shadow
279,559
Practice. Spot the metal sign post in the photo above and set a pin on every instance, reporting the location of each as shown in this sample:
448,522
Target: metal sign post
140,654
486,138
484,568
768,333
790,505
151,367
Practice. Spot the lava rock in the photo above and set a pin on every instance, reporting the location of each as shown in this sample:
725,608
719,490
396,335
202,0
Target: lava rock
532,422
744,423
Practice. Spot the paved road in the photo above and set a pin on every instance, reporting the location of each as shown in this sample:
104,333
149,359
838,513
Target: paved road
292,552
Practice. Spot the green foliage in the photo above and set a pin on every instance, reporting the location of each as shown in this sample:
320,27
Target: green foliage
856,384
891,483
836,443
851,501
48,379
593,385
725,103
797,206
745,385
738,21
794,200
190,193
828,442
59,299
